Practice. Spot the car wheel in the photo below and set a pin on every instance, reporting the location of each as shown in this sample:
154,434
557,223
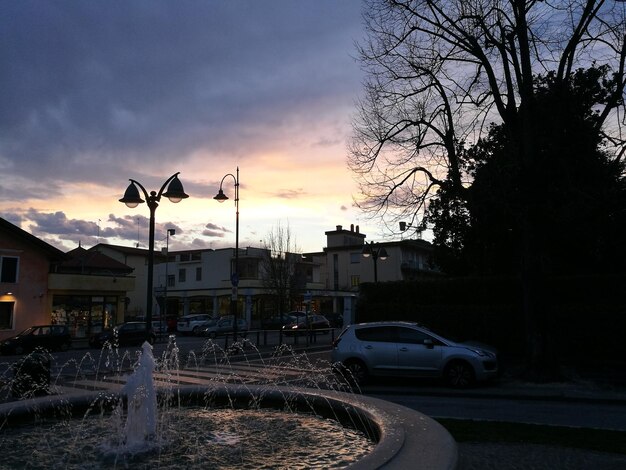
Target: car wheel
459,374
356,371
212,335
151,339
196,330
65,346
19,350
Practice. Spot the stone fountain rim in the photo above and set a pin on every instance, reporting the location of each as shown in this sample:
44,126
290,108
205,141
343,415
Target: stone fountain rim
405,437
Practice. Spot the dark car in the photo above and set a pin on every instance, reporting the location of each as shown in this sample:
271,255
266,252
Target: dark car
335,319
48,337
311,322
277,322
224,326
127,334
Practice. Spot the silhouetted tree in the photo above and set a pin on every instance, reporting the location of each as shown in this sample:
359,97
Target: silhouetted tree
278,266
441,75
582,215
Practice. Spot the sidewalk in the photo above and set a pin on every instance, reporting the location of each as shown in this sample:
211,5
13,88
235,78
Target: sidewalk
516,389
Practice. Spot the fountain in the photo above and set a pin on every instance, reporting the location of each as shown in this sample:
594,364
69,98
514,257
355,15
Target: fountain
220,425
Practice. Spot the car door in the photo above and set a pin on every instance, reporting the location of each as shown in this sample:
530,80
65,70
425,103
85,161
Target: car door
377,347
225,325
45,339
419,353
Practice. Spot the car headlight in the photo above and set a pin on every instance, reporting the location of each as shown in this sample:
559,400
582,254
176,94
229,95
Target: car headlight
478,352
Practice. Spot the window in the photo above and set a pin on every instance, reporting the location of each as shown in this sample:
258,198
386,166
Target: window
409,335
355,280
198,274
355,258
171,280
9,269
196,256
248,268
182,275
383,334
184,257
6,315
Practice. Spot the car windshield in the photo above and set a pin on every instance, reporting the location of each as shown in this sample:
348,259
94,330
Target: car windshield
27,331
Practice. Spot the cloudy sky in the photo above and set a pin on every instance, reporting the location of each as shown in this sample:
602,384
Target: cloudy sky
94,93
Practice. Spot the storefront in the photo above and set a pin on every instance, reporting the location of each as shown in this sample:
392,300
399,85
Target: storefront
85,315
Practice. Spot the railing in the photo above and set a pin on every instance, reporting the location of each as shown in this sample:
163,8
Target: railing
264,338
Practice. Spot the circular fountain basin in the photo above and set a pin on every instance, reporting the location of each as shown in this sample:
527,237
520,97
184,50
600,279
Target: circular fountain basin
402,438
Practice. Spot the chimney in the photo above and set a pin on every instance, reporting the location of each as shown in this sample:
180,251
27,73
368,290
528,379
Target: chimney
357,229
339,227
352,227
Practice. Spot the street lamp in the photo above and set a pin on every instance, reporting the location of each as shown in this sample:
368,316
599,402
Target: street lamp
234,278
376,252
170,231
174,193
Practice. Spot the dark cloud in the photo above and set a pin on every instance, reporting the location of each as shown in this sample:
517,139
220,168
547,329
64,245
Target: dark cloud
215,231
89,89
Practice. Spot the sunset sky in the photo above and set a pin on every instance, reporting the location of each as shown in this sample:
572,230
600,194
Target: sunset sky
95,93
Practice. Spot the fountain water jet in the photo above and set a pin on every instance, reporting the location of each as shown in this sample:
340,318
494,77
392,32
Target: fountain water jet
399,437
141,416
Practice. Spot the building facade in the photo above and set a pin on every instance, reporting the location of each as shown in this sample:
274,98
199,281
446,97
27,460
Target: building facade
93,289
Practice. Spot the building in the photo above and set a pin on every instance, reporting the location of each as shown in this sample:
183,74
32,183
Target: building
199,281
25,265
89,291
107,284
137,259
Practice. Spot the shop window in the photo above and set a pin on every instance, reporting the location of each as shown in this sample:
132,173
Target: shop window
355,280
8,270
6,315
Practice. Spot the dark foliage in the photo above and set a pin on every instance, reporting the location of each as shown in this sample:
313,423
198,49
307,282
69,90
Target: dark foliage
574,192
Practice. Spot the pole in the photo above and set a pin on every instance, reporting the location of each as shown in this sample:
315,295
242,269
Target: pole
375,259
152,204
235,280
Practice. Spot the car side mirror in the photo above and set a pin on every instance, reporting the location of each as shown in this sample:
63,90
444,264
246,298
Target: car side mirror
429,343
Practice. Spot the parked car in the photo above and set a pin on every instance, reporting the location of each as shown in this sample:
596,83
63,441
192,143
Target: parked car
127,334
307,323
408,349
277,322
224,326
48,337
191,324
159,327
335,319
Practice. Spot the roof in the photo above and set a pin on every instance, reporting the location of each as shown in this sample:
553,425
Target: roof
93,261
130,250
41,245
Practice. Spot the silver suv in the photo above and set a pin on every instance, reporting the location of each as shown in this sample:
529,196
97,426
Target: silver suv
407,349
192,323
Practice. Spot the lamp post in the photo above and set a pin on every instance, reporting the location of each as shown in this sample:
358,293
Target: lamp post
175,194
376,252
170,231
234,277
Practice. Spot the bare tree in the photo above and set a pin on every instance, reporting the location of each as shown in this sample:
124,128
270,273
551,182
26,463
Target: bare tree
279,266
440,72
